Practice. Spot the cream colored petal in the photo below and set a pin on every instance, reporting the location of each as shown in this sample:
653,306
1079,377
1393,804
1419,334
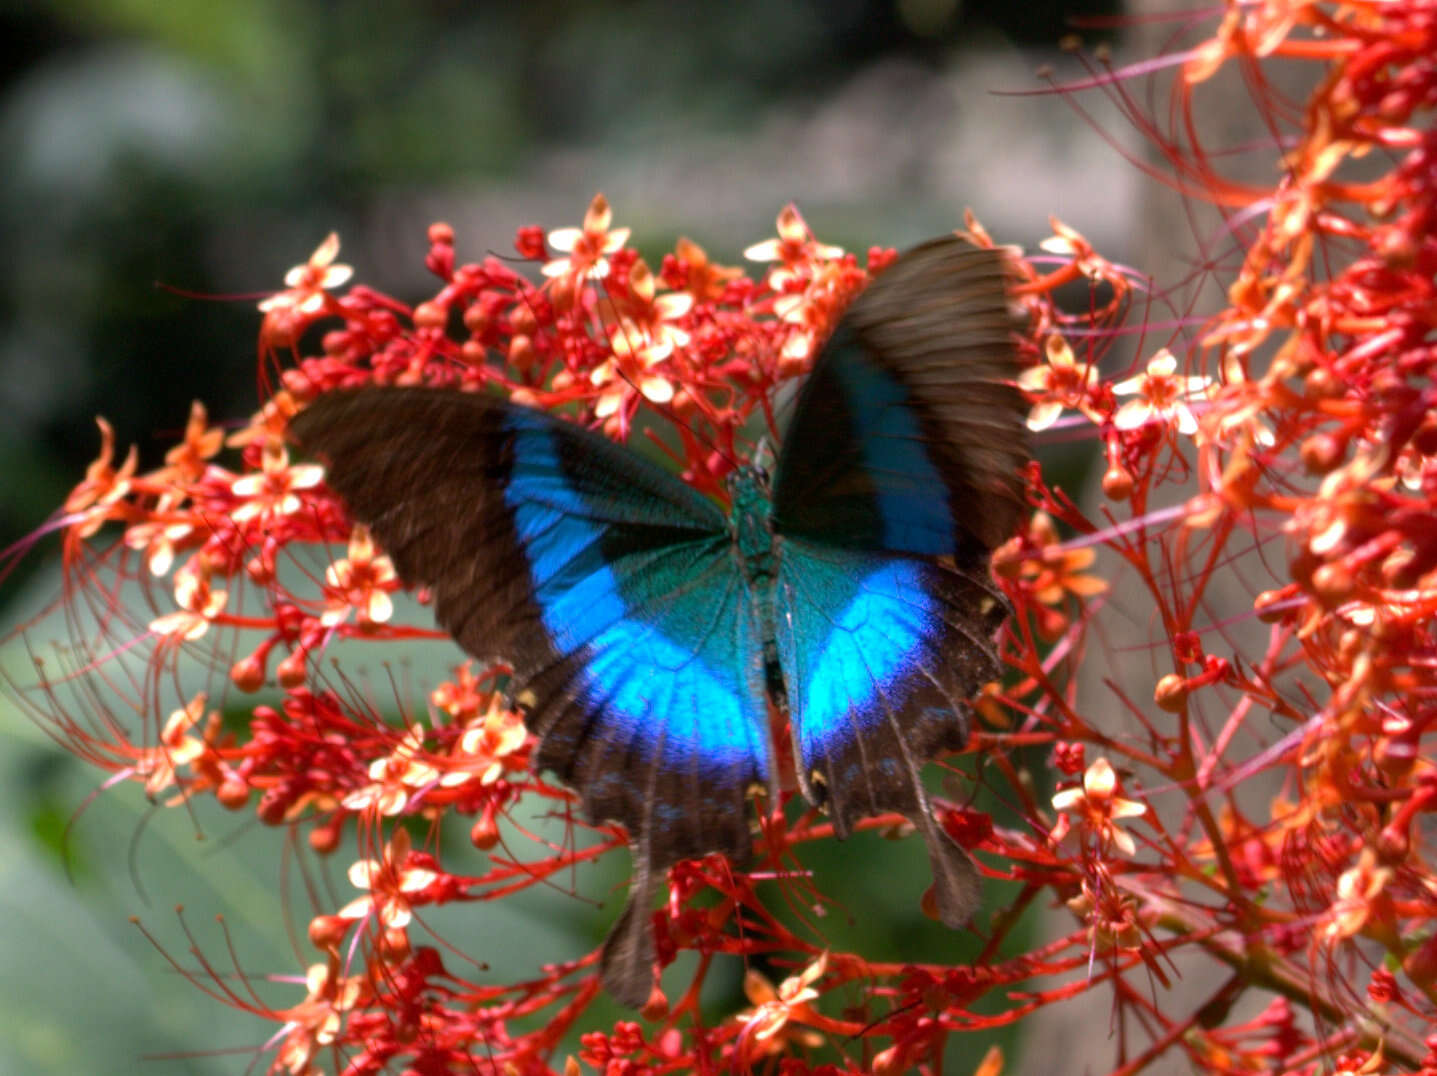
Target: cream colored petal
767,251
1132,415
657,390
1162,364
1124,841
1044,415
1034,378
564,239
1100,779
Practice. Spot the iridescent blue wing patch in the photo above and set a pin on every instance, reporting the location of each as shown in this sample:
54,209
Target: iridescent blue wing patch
898,474
608,585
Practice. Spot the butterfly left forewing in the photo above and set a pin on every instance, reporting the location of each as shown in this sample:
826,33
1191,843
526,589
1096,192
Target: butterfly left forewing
606,583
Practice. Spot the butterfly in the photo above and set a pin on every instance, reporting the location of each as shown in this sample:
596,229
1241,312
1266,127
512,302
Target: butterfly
649,629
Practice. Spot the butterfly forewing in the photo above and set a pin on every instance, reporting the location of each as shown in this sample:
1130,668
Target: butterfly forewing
908,433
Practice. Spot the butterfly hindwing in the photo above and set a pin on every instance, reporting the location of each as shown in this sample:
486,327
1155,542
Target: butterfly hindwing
880,655
898,473
607,584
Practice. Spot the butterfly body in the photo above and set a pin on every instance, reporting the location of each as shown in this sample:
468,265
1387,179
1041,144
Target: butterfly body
650,630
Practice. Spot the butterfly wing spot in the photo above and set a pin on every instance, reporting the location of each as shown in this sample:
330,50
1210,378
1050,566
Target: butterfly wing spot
819,784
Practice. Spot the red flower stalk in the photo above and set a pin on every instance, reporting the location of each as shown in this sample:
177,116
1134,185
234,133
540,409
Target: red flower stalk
1259,806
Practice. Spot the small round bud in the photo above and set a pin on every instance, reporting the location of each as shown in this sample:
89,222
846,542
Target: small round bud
1117,483
430,316
1171,694
247,674
291,671
1333,583
327,931
1322,452
232,794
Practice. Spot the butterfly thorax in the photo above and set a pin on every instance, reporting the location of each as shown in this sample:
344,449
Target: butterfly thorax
750,521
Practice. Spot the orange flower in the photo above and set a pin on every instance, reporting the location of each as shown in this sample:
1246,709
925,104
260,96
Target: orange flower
587,247
306,284
268,424
460,697
1162,396
767,1023
1057,570
103,484
176,748
795,249
1058,384
271,491
394,778
186,461
199,604
158,536
1069,242
1098,808
362,582
484,745
390,883
706,280
1358,889
315,1022
643,337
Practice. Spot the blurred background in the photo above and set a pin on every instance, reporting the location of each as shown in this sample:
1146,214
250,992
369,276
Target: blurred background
166,161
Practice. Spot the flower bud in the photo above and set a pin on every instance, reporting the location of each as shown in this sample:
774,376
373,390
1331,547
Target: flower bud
291,671
247,673
1171,693
1117,483
327,931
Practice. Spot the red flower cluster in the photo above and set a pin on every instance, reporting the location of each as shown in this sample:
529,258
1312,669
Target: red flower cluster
1303,422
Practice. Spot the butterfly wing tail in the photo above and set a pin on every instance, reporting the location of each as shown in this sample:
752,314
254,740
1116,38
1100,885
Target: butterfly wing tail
957,885
627,960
